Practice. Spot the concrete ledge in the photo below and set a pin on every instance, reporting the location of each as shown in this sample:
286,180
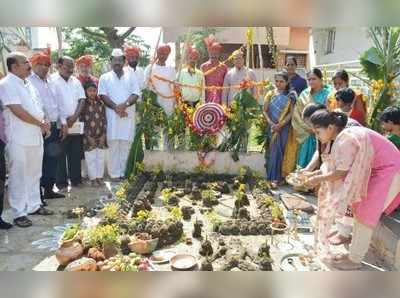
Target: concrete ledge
386,240
187,161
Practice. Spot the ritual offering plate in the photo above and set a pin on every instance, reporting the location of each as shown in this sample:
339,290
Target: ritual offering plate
183,262
297,181
298,262
161,257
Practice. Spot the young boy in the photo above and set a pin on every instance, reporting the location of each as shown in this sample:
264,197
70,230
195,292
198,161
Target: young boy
94,139
390,119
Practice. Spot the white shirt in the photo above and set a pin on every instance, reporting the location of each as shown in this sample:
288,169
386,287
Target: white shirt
15,91
46,93
118,90
162,87
68,93
139,72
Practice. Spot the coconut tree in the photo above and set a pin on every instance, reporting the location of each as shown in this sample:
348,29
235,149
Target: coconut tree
381,63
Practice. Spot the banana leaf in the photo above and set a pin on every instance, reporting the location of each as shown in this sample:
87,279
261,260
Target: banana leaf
136,153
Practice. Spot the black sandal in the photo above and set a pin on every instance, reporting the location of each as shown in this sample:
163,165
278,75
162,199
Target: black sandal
23,222
42,211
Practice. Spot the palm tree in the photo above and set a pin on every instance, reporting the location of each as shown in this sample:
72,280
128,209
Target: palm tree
382,62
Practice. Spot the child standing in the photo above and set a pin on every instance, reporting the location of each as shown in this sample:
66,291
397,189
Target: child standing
94,139
390,119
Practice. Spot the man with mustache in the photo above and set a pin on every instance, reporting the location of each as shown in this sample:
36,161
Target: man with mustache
119,90
24,126
132,55
70,94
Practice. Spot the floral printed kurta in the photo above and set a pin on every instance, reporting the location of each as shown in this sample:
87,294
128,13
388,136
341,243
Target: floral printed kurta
95,123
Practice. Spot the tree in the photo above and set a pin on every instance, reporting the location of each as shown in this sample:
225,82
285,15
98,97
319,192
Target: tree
196,39
381,63
99,42
12,36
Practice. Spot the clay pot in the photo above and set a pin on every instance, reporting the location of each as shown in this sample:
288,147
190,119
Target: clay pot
109,250
69,251
83,264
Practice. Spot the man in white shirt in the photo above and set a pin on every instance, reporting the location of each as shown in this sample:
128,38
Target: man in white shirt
24,126
119,91
132,55
235,76
41,63
164,90
70,93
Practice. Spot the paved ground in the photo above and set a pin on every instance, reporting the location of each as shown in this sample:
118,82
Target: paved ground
18,253
16,249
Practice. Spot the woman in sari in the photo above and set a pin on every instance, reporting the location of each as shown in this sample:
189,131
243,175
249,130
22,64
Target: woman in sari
316,93
363,171
278,110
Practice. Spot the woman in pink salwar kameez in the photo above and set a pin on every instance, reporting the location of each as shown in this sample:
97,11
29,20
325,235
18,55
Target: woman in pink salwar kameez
364,173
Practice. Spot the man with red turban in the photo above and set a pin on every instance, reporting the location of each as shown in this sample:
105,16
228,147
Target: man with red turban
216,77
39,78
84,65
163,89
132,55
191,75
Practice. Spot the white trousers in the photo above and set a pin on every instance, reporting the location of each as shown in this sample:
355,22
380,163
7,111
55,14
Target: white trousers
362,234
95,160
117,157
25,171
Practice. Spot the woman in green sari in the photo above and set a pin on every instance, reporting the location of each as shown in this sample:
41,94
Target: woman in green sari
317,92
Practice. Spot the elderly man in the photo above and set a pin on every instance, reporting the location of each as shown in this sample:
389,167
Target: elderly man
164,90
235,76
25,124
41,63
84,65
119,90
190,75
213,70
70,93
132,55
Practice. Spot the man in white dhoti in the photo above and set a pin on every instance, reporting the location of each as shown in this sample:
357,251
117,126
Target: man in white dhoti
119,90
163,89
24,126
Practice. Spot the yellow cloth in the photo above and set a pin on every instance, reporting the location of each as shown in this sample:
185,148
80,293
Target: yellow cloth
290,156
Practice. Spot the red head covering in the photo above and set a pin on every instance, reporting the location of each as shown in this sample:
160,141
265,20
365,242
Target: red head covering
132,52
41,58
213,47
192,53
163,49
84,60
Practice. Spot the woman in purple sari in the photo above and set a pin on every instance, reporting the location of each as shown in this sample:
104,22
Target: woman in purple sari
278,109
297,83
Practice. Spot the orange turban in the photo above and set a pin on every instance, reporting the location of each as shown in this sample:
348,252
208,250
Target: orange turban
84,60
41,58
193,54
132,52
163,49
213,47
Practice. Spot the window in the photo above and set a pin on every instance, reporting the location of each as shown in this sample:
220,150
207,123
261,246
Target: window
330,45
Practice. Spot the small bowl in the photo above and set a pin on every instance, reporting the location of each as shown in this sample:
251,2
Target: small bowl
183,262
143,247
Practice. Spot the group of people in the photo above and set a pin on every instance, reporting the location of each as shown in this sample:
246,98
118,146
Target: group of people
320,131
55,127
52,124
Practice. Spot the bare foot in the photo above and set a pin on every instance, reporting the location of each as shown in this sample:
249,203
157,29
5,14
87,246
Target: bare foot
100,181
93,183
339,239
346,264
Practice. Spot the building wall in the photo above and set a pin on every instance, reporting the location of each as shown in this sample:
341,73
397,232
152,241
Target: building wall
349,43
